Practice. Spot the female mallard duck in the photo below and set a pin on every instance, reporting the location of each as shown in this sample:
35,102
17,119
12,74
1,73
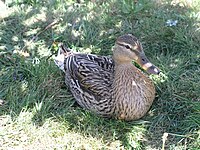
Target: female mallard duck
111,87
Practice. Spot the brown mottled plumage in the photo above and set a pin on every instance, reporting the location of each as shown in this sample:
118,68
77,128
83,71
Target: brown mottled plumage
111,87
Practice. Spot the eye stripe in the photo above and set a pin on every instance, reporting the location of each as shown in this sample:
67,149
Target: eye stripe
128,47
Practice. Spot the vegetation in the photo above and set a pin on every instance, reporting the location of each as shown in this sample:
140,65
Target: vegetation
37,110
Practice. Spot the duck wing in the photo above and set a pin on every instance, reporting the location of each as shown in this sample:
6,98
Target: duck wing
90,79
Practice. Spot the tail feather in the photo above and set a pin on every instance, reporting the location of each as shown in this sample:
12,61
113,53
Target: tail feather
63,49
62,54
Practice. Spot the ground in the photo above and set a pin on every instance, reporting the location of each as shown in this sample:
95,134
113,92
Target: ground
37,110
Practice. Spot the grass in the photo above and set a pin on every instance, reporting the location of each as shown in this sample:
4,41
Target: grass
36,108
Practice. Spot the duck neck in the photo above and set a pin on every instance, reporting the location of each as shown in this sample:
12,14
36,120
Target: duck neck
124,69
122,61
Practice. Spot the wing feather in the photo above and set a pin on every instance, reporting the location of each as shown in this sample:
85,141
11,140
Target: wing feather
90,79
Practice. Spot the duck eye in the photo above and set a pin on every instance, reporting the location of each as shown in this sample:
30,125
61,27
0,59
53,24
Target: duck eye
127,46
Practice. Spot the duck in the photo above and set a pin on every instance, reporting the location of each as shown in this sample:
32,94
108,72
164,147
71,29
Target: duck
111,87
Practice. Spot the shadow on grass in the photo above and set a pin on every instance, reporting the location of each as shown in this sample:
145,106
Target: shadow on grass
173,48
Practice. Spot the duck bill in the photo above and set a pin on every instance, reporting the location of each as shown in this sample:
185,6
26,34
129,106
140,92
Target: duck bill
147,65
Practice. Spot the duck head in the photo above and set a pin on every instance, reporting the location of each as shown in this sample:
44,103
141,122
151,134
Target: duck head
127,49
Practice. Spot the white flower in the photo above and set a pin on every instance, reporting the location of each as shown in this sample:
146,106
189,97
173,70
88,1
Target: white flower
171,22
